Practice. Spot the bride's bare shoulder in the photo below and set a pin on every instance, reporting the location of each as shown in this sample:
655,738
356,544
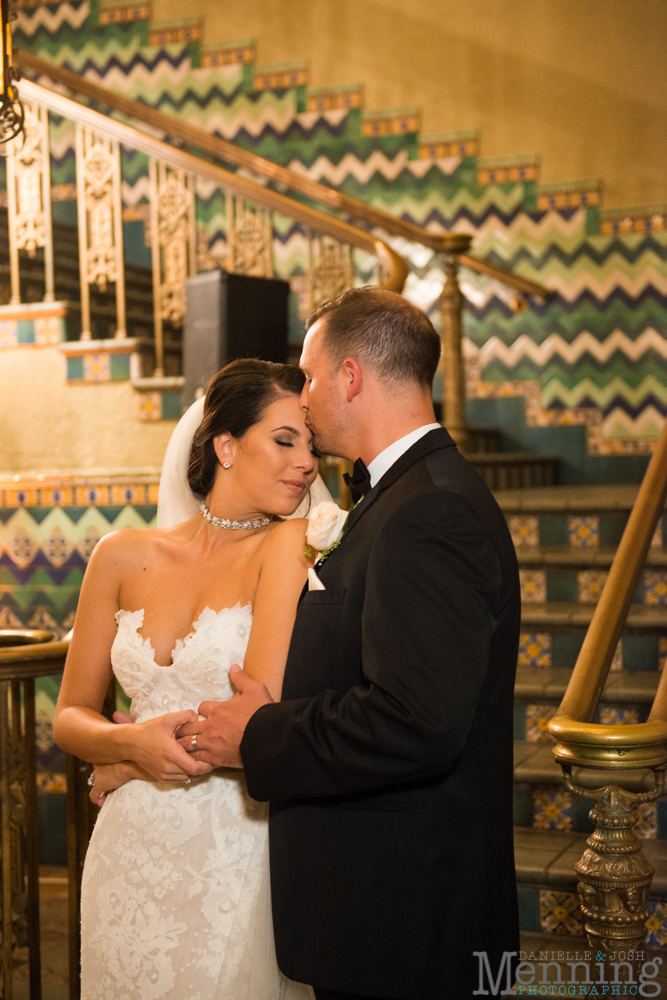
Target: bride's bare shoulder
285,538
125,546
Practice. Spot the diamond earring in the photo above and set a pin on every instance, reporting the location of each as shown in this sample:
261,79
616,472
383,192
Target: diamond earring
226,465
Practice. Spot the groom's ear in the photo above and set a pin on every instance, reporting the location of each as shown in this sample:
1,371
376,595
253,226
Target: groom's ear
353,378
224,451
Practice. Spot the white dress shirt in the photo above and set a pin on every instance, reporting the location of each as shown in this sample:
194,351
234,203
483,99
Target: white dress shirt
384,461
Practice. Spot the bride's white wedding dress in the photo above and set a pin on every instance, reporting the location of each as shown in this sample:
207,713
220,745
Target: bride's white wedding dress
175,896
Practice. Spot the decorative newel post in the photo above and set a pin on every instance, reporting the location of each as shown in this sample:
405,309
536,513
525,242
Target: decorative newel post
451,361
615,879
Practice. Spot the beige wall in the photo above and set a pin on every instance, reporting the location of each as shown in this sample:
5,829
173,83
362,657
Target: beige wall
581,82
48,425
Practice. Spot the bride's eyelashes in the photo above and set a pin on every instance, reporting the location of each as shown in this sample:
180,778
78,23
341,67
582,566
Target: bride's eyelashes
284,444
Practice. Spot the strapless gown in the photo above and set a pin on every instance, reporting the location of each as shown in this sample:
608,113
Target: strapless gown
176,897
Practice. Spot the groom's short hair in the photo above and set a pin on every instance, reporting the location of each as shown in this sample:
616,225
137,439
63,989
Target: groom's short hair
381,328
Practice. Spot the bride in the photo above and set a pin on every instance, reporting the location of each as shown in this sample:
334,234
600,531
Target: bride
175,895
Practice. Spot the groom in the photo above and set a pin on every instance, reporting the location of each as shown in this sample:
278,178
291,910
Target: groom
388,763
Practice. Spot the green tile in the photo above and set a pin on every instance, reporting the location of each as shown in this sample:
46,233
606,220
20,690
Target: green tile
612,527
171,406
52,819
522,806
562,584
580,810
25,331
565,649
146,511
553,530
640,652
529,908
75,369
662,819
119,367
519,722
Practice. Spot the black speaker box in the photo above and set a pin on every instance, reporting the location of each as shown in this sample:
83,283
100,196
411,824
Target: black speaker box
230,316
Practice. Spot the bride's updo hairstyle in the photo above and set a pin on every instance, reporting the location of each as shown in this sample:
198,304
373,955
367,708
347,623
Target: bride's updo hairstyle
236,399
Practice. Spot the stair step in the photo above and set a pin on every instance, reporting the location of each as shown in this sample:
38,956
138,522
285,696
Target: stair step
568,499
515,470
579,558
534,763
623,687
561,614
545,859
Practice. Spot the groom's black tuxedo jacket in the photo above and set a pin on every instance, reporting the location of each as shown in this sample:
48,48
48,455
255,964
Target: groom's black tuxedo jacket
388,763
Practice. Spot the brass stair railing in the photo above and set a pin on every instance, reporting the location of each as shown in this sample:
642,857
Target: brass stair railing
173,178
452,248
619,766
36,656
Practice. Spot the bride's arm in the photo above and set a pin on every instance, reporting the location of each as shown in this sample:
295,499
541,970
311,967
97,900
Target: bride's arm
79,727
283,572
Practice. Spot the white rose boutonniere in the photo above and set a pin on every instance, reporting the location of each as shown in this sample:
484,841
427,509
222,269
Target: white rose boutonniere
326,525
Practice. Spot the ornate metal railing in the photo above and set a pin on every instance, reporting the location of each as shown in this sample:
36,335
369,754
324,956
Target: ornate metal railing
248,218
451,249
613,764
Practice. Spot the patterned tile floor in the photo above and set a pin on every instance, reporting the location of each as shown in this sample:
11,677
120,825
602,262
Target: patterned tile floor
53,921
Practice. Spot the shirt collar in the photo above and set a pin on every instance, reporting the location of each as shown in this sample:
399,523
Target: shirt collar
384,461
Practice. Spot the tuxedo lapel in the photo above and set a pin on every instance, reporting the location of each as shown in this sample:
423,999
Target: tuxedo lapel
432,441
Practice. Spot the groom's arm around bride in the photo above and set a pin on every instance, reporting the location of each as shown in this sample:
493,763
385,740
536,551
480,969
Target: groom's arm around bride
388,762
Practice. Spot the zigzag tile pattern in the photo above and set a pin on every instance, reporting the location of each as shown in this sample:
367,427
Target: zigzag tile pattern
597,344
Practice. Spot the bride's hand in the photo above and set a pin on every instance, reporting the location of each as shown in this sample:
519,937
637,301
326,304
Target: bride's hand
109,777
152,745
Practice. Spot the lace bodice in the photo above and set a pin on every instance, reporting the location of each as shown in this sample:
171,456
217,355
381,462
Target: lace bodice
175,900
199,668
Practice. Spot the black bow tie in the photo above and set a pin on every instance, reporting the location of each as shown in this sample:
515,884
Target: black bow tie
359,483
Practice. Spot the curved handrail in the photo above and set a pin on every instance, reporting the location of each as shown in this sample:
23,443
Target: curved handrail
294,179
38,660
397,269
580,740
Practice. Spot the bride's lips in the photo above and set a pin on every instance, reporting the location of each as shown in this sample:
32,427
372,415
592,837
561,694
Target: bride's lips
295,485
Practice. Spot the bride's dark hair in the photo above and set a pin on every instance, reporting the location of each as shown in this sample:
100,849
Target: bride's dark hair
236,399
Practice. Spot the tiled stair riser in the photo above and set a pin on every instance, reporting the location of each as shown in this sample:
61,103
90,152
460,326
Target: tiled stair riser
564,559
47,534
601,327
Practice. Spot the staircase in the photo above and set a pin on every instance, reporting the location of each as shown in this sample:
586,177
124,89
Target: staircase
565,539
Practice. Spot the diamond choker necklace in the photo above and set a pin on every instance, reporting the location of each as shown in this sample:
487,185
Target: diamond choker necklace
224,522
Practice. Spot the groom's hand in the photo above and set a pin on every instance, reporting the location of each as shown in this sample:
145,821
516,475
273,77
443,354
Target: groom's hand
220,733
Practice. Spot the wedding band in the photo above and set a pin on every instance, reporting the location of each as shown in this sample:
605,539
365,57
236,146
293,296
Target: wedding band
194,742
91,780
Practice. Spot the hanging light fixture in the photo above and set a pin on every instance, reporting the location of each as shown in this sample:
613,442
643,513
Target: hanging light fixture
11,110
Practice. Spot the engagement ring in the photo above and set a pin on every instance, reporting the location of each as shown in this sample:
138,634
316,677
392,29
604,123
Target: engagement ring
91,780
194,741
